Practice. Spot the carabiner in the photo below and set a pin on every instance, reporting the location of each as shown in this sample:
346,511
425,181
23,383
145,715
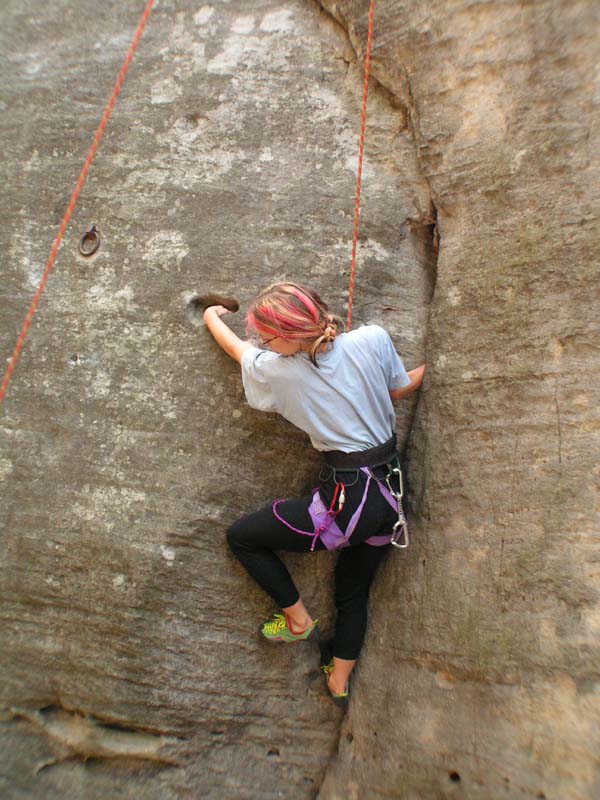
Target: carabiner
403,535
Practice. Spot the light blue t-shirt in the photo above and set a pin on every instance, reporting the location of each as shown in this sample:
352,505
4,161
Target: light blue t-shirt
344,404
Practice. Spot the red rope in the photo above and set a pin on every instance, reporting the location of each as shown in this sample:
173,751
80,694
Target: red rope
361,147
82,175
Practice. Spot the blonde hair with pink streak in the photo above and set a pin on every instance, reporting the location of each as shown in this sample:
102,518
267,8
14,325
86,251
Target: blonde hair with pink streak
293,312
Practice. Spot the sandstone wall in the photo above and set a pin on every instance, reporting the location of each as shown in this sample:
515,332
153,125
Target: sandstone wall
481,678
127,446
130,657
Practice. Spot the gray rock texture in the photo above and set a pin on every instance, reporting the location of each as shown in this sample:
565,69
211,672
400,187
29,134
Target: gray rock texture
482,676
130,659
127,447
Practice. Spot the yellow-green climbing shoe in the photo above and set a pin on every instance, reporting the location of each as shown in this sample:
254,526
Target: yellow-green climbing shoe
277,630
342,698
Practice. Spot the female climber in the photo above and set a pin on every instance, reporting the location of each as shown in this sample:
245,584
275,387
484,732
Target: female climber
338,388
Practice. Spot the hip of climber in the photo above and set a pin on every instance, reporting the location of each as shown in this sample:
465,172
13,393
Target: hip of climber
338,387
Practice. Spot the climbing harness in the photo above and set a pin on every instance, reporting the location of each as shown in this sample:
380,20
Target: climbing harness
76,191
322,517
332,536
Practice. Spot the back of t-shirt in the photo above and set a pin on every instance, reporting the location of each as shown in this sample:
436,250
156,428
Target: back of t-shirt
344,403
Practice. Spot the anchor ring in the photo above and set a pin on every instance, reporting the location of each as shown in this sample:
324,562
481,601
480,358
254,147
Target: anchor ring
91,238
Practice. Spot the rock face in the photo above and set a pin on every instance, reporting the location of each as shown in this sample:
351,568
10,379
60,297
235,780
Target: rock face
130,657
127,446
482,676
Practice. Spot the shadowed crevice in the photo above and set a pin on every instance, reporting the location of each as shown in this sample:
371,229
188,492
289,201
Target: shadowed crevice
424,225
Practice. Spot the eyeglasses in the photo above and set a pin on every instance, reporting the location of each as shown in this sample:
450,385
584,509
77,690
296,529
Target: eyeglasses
266,342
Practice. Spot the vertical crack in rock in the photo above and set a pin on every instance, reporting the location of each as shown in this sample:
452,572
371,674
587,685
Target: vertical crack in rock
426,225
423,228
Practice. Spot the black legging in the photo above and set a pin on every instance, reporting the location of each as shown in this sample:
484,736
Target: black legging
254,538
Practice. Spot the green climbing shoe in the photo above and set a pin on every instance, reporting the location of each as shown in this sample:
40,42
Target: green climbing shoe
342,698
277,630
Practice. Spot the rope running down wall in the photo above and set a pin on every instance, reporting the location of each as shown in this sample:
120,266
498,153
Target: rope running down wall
76,191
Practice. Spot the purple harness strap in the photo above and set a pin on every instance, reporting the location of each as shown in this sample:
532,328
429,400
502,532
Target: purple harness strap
319,529
325,526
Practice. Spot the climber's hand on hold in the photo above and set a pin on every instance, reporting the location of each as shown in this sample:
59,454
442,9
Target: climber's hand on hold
220,311
223,335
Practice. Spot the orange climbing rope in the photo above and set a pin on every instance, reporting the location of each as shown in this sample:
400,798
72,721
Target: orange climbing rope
361,147
82,175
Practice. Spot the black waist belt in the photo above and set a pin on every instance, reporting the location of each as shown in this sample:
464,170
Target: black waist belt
373,457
